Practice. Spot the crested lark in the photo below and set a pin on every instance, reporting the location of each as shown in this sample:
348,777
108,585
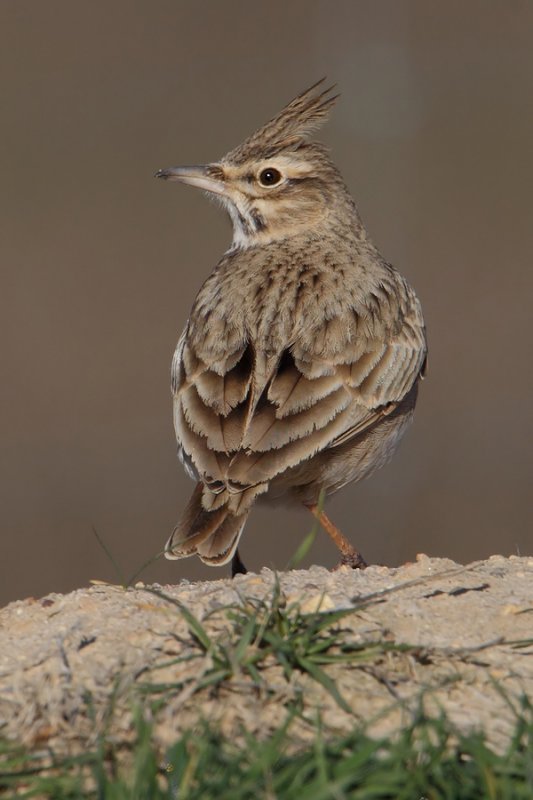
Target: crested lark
298,368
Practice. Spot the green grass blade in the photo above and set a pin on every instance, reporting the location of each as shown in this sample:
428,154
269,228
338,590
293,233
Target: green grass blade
196,628
110,556
328,683
306,544
141,569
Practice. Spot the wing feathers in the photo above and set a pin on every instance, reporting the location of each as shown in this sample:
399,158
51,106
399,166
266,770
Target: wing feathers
244,417
291,392
267,432
257,467
223,393
222,433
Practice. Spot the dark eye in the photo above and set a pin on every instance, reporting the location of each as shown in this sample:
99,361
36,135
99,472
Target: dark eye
269,177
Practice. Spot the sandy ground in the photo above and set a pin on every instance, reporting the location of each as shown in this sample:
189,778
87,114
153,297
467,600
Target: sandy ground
74,666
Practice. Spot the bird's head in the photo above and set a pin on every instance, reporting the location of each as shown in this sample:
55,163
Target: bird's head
277,183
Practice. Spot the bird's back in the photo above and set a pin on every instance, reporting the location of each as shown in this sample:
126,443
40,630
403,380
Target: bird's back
290,351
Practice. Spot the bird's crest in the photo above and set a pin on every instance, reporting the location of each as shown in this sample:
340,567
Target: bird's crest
288,129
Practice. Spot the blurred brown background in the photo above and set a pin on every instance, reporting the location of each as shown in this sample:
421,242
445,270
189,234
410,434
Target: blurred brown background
100,262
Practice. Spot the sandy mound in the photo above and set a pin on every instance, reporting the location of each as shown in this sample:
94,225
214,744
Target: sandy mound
453,637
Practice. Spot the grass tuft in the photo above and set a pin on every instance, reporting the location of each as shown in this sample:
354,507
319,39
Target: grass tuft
267,631
429,759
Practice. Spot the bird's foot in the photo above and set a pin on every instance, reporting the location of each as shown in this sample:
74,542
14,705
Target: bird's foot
353,560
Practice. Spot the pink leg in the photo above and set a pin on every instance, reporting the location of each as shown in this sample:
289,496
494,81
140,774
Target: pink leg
350,557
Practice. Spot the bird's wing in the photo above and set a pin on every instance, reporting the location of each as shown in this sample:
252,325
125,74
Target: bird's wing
243,417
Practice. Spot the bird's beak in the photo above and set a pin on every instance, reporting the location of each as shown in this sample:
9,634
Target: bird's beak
207,178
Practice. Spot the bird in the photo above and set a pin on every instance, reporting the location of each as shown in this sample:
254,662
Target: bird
298,369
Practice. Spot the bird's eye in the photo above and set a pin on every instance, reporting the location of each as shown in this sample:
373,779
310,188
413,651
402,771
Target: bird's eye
269,176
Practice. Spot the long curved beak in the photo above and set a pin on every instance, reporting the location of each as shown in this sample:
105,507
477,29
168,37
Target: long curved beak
202,177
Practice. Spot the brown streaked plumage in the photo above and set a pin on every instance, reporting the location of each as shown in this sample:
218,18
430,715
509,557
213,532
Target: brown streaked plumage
298,368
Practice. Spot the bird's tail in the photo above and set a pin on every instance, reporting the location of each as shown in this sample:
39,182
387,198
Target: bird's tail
212,535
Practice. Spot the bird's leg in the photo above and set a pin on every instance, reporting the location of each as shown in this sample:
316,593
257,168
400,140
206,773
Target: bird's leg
350,557
237,567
